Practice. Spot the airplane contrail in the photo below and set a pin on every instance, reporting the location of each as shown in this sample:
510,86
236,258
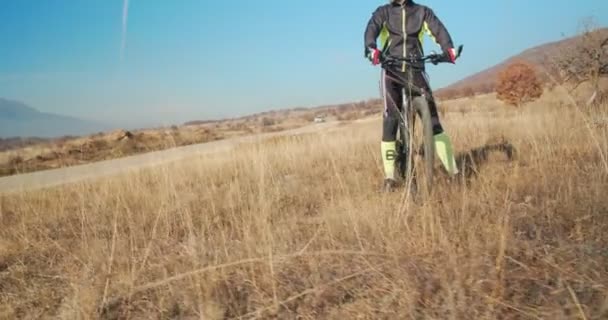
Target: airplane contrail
125,18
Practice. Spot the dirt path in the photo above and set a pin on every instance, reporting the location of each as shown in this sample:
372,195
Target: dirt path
55,177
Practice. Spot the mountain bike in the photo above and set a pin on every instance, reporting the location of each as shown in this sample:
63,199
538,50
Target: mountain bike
415,158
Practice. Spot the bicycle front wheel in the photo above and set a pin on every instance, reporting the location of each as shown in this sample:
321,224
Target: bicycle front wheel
423,144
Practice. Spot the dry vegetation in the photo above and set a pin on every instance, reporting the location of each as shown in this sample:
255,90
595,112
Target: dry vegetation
295,228
571,62
585,60
73,150
518,84
27,155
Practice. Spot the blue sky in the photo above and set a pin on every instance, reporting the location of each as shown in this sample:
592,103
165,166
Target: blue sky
201,59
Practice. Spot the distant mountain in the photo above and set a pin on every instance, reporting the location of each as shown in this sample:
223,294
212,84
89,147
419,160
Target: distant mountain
20,120
539,56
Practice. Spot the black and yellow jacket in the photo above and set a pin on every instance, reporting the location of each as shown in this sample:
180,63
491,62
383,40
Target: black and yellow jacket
400,29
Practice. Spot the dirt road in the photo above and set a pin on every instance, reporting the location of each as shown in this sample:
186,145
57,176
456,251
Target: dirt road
55,177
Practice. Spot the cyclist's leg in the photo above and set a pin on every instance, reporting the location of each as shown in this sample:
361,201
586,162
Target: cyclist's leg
391,96
443,144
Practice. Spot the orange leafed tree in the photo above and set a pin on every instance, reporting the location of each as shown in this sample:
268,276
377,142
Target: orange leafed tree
518,84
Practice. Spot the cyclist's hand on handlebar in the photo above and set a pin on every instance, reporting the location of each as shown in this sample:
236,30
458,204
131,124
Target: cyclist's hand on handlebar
450,55
374,56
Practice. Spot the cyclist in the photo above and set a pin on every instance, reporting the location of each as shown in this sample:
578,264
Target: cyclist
400,27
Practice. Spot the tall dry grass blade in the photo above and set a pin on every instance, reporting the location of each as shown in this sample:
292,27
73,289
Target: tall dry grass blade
110,260
576,302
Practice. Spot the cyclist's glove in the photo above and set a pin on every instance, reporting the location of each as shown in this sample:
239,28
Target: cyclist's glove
450,55
374,55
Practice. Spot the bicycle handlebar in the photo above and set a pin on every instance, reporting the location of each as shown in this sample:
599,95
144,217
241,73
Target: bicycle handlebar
433,58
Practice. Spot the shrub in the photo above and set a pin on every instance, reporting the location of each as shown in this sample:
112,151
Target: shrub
518,84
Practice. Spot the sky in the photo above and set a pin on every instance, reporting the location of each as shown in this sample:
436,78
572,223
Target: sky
137,63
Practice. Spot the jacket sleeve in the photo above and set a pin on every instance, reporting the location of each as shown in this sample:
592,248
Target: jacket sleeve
437,30
373,29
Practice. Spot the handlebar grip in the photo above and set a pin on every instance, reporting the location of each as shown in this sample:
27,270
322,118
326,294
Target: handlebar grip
459,51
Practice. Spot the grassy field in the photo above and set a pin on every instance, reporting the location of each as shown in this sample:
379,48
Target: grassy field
23,155
295,228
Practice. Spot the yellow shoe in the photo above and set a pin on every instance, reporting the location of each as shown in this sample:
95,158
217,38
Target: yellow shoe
445,152
389,155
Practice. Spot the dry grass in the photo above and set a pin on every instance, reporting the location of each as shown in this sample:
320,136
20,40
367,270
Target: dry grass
105,146
295,228
35,155
28,155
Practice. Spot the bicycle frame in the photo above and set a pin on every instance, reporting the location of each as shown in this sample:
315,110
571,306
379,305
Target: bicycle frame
407,123
414,64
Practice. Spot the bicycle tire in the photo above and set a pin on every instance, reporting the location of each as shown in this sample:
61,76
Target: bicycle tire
426,172
404,156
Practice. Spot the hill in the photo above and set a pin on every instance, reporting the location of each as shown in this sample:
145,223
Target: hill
20,120
539,56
